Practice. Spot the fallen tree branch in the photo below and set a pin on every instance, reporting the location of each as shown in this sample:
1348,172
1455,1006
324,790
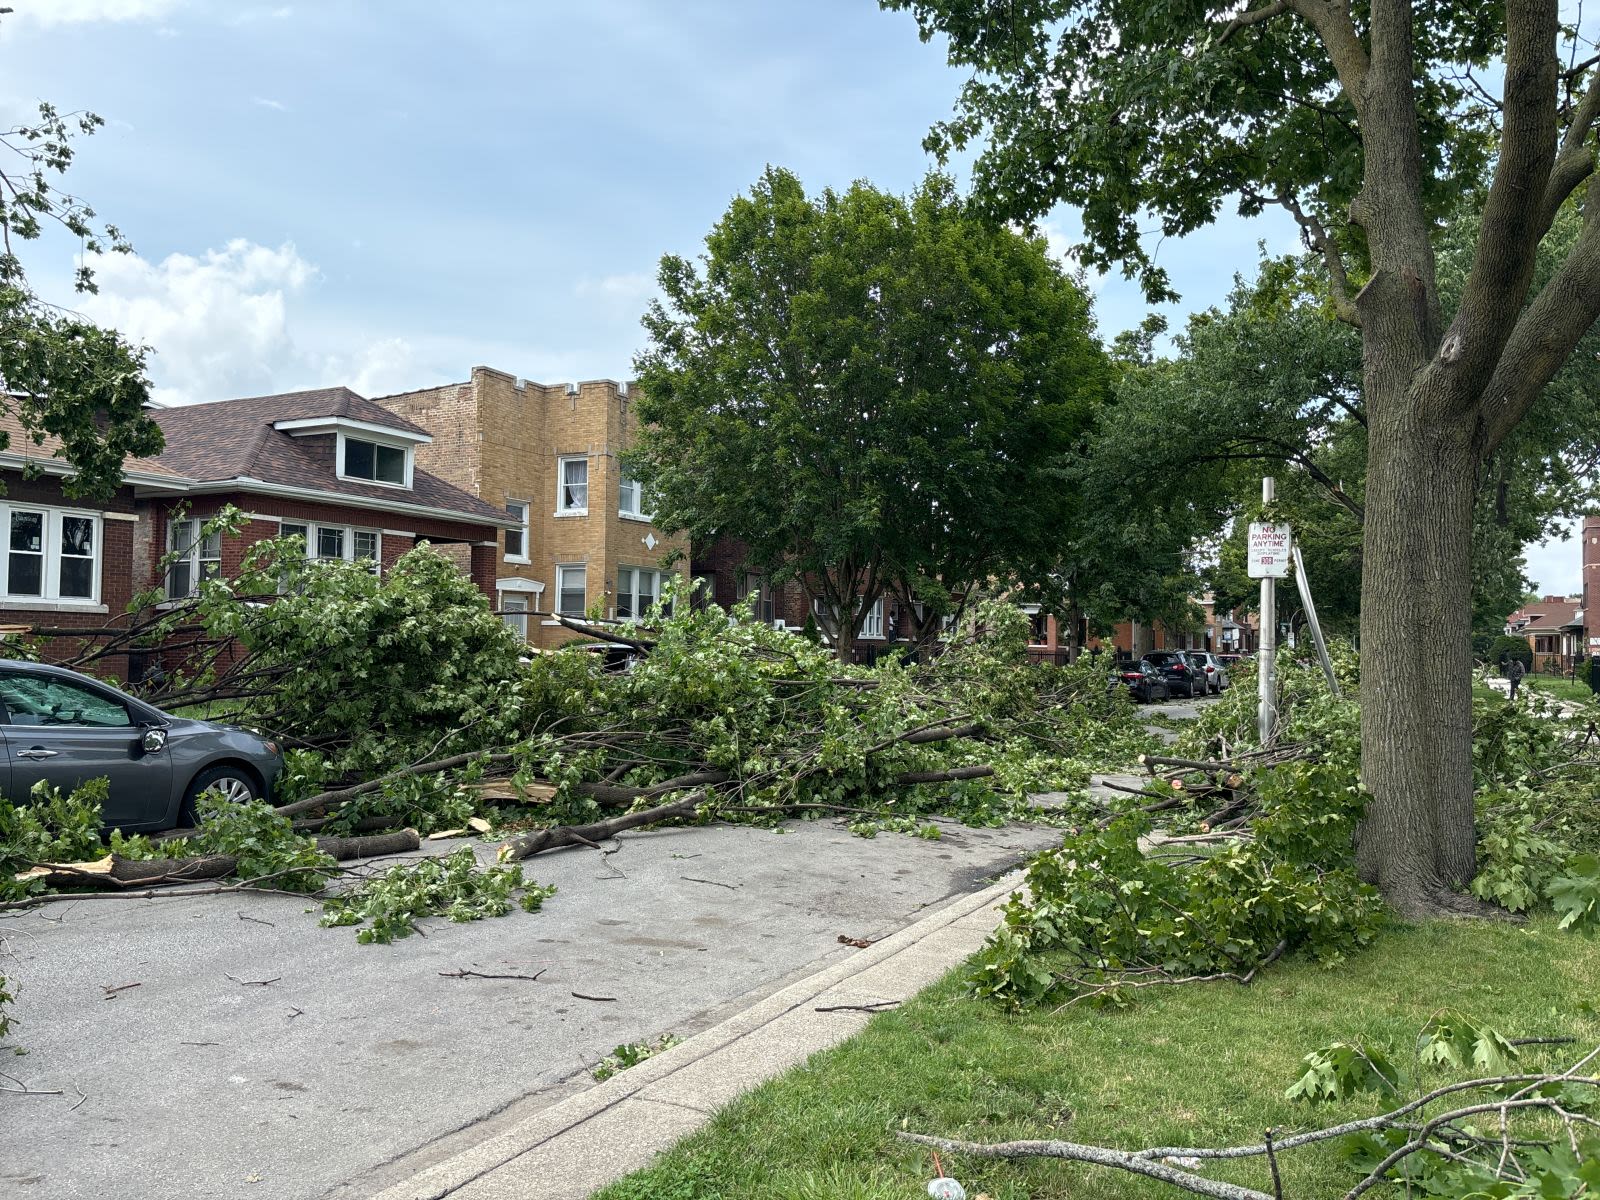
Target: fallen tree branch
907,778
118,872
536,841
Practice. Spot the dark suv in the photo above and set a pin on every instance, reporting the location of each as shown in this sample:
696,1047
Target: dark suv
1181,675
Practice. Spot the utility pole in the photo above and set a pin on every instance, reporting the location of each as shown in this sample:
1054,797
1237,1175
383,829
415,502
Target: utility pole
1266,653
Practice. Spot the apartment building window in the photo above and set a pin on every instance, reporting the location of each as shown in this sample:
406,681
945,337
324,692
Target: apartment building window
198,557
374,462
872,623
517,539
631,502
514,612
763,607
572,497
51,554
571,588
638,591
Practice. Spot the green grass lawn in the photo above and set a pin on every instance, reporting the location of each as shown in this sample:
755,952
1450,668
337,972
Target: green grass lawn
1572,690
1198,1065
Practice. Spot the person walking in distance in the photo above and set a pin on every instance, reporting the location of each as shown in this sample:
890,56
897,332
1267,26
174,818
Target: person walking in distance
1514,673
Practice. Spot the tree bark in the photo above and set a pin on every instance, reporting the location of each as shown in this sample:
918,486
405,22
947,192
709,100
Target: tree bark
1417,841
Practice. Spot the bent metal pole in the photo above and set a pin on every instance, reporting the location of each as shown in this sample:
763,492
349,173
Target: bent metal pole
1303,582
1266,673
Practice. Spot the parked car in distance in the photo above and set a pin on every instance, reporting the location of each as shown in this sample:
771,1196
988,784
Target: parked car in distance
1216,674
1181,677
1144,683
66,729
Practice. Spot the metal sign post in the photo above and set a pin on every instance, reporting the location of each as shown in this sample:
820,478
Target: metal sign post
1268,561
1304,584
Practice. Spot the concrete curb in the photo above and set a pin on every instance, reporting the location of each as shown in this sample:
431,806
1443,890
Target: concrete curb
567,1151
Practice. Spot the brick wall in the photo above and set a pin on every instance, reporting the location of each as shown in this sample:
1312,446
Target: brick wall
118,536
1590,562
502,438
400,531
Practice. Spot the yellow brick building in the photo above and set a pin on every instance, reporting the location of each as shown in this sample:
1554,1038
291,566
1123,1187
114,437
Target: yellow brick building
549,453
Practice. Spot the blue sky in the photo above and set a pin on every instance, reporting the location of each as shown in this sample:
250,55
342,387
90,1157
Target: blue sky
385,194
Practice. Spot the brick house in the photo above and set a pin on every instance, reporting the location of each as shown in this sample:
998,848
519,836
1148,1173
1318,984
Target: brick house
546,456
68,563
1590,615
1553,628
327,464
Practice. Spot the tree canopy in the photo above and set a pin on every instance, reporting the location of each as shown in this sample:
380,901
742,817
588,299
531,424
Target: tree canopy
1373,126
873,393
61,375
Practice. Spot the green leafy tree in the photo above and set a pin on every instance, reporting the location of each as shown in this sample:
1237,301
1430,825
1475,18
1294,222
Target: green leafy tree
1368,124
878,394
60,375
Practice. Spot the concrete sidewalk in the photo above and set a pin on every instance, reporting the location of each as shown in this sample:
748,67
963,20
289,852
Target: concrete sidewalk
567,1151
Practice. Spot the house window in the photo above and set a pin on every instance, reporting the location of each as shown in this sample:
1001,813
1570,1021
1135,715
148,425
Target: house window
872,623
51,554
517,539
514,612
197,557
571,586
638,591
337,542
373,461
764,606
573,494
631,502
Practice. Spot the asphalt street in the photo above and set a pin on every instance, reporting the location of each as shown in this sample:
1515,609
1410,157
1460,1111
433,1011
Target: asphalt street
226,1046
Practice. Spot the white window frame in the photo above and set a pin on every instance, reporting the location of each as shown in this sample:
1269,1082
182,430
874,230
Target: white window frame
347,534
562,510
406,448
626,483
50,544
190,551
562,569
872,623
518,508
631,594
514,609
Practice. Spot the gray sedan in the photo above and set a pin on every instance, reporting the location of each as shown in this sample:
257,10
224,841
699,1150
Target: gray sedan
66,728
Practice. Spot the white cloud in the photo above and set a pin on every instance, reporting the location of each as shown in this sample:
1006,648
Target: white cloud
1059,245
275,105
627,287
218,323
1555,564
72,12
251,16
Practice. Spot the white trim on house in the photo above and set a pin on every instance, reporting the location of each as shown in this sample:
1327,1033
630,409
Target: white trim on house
562,510
12,461
408,460
312,426
516,583
244,483
525,530
50,553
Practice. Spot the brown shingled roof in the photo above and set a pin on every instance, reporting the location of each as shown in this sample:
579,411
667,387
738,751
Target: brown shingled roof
234,439
48,451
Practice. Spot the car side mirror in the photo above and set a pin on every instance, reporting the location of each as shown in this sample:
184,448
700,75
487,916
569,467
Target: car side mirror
153,739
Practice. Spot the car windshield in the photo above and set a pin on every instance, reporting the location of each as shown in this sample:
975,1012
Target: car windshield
1161,658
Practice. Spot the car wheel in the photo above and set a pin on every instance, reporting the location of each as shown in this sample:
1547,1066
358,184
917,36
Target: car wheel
236,784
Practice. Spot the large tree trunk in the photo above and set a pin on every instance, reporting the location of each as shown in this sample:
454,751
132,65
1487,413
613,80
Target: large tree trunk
1417,842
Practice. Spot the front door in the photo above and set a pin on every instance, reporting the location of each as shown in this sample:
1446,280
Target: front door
67,733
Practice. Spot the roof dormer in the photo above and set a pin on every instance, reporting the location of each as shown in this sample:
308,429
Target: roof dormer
364,451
